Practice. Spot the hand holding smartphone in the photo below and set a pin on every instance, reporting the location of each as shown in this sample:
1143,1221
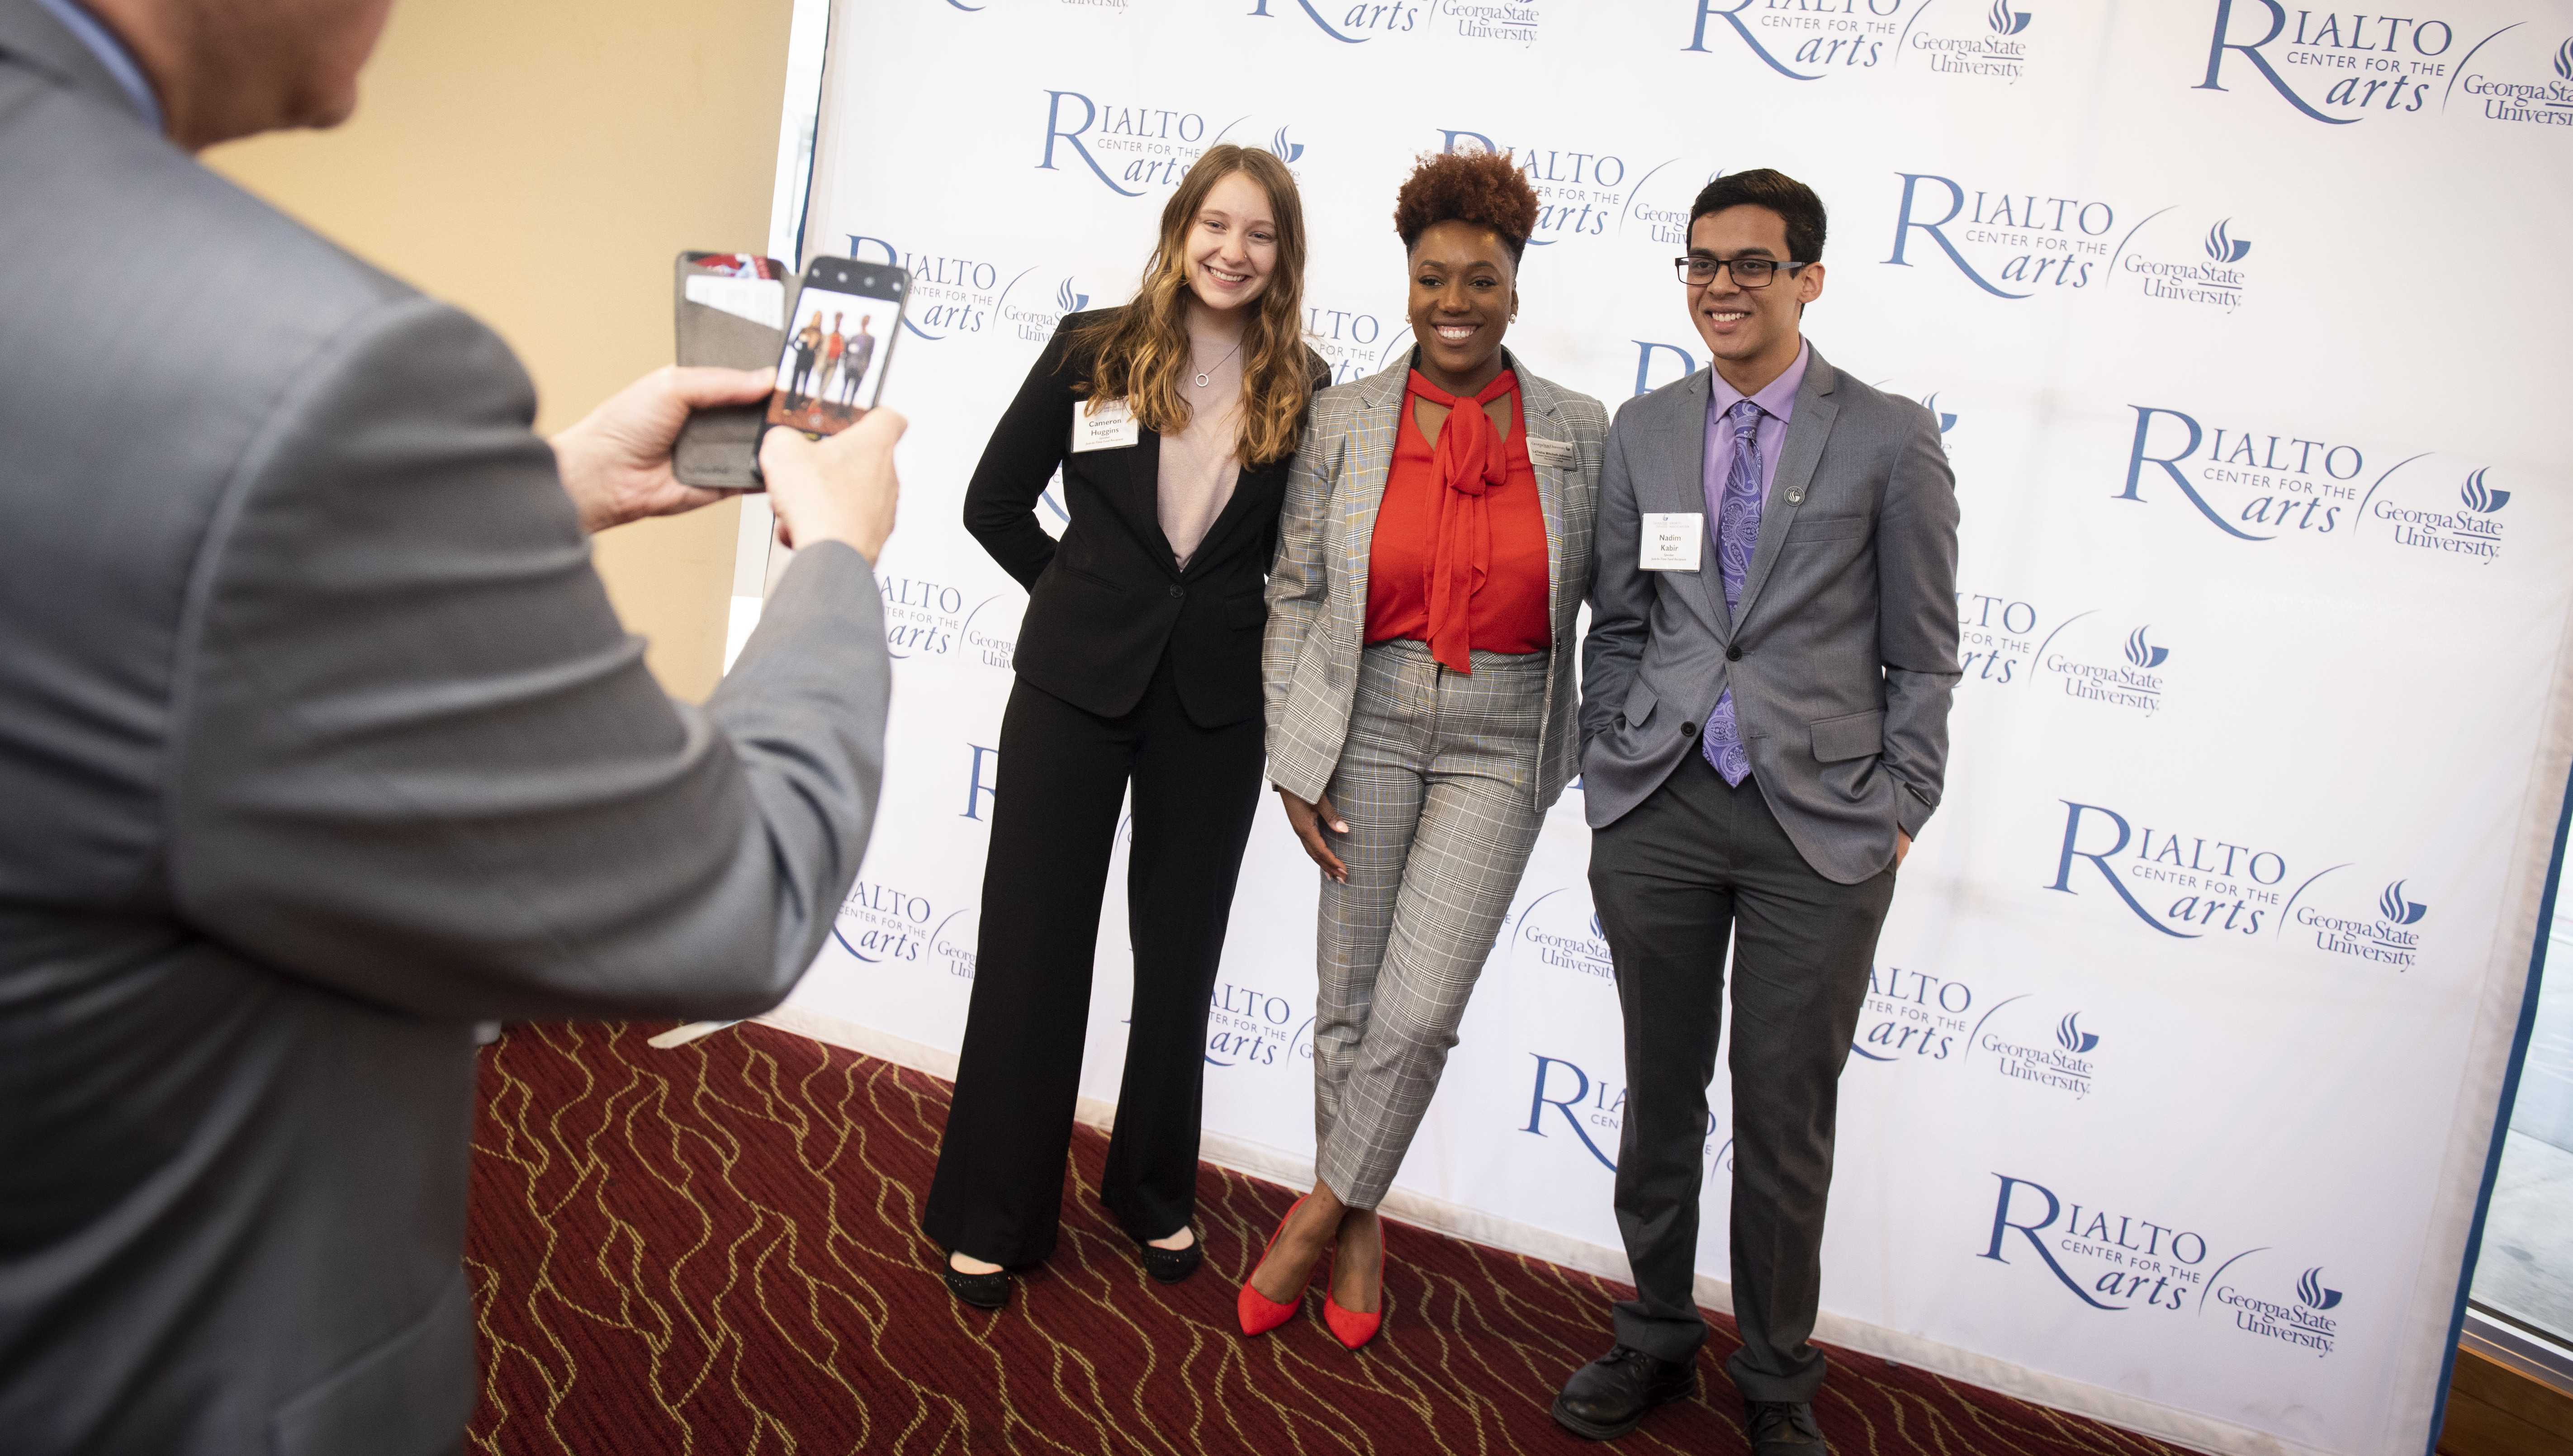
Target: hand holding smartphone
830,347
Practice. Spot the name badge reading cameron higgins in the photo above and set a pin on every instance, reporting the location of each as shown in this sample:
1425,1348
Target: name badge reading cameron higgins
1672,539
1104,425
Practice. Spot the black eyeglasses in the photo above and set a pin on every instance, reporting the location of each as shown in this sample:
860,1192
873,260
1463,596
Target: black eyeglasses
1748,272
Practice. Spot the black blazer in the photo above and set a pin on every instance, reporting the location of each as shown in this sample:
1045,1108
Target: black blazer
1106,600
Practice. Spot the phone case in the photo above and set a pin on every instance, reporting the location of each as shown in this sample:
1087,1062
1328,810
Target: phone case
719,448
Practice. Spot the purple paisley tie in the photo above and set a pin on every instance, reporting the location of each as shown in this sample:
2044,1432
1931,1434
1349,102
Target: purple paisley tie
1737,530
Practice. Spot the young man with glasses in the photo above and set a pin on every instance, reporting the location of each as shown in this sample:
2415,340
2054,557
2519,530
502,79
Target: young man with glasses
1764,722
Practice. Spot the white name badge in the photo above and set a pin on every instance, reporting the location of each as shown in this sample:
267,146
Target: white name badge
1106,425
1672,539
1561,454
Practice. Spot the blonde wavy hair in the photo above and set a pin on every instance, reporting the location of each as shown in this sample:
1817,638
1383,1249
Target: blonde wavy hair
1139,353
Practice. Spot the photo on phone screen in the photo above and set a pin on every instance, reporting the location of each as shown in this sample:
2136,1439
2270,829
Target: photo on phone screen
837,343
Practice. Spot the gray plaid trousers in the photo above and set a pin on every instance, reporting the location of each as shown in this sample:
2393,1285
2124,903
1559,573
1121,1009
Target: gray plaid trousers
1436,781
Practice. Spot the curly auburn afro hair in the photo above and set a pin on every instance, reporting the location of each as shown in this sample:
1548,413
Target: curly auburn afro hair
1482,187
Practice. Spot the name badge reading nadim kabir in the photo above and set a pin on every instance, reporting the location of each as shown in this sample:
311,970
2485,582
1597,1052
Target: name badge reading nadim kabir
1671,540
1104,425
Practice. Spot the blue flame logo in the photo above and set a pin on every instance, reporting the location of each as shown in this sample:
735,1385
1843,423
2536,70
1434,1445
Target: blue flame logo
2480,498
1067,300
2399,910
1284,150
2069,1036
2224,247
1598,932
2142,653
1947,418
2564,59
2311,1293
2004,21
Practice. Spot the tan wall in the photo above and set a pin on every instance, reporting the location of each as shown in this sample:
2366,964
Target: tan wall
537,162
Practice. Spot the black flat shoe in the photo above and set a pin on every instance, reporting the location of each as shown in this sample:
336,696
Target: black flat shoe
1782,1428
1611,1395
983,1292
1170,1265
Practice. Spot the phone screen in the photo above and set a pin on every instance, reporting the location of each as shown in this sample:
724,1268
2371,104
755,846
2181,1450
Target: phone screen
839,339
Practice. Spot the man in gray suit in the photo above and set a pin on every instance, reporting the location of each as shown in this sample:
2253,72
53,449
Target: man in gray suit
319,743
1764,717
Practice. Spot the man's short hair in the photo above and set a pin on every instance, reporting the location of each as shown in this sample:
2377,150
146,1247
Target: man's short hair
1780,194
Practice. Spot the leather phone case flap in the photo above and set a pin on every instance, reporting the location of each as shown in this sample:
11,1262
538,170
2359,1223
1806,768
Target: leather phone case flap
719,448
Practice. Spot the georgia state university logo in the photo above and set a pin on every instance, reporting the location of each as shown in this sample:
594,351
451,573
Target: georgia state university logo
1965,44
2379,930
2467,528
1915,1019
2182,885
1035,314
2518,87
2266,1302
2089,662
1559,930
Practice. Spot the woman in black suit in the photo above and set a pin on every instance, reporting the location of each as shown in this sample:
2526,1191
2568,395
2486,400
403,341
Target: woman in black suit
1173,420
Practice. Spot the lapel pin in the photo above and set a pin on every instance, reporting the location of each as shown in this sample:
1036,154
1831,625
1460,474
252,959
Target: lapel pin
1795,497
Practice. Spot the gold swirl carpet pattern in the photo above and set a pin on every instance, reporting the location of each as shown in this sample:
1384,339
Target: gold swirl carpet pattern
715,1249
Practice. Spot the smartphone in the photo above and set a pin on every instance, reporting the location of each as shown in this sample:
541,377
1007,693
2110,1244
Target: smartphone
839,341
733,312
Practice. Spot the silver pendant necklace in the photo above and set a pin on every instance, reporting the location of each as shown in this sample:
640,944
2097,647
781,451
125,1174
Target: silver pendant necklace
1205,376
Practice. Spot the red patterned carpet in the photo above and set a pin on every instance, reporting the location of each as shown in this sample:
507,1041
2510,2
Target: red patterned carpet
715,1249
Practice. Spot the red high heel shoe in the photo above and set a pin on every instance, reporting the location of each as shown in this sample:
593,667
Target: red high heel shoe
1351,1328
1258,1314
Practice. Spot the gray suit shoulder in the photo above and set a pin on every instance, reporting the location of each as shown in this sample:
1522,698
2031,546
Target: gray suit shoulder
1853,393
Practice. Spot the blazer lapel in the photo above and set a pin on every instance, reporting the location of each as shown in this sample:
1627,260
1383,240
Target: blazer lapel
1370,458
1136,480
1678,483
1540,414
1806,432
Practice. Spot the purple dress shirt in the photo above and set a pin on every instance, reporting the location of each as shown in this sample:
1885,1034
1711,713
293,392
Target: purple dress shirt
1777,402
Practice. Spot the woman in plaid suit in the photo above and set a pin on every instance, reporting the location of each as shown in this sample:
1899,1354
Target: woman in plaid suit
1433,555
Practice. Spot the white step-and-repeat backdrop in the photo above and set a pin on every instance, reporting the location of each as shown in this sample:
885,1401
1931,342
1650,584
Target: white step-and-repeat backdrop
2246,329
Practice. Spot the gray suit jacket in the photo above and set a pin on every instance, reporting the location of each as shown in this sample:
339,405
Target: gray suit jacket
1843,655
1317,592
318,742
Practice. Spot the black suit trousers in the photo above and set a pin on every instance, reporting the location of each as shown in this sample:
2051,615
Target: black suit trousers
1698,861
998,1193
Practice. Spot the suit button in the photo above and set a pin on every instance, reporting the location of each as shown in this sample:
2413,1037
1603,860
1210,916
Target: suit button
1733,654
1178,591
1688,730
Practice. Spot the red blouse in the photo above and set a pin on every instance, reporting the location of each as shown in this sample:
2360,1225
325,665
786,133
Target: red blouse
1508,610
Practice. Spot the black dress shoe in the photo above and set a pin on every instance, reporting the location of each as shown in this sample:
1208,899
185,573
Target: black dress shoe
983,1292
1170,1265
1782,1428
1609,1396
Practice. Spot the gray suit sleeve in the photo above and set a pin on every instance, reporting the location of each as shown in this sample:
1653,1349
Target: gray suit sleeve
416,759
1916,563
1300,581
1621,597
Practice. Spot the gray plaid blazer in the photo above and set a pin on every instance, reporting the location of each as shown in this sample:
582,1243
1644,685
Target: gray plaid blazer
1318,590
